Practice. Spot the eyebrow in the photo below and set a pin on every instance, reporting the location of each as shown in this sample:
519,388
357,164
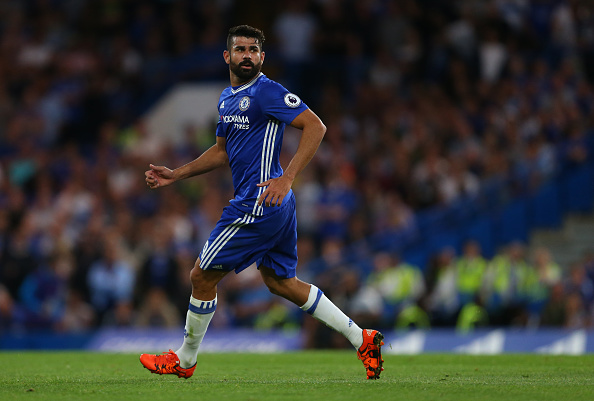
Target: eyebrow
242,46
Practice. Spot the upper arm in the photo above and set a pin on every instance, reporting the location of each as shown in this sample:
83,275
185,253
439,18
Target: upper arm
221,147
278,103
309,119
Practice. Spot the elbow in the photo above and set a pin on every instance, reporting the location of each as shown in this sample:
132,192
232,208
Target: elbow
224,161
322,129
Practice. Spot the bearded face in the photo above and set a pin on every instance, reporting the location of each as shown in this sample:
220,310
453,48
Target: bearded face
246,69
245,59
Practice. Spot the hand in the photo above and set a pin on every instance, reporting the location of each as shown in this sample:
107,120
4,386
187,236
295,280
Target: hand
277,189
158,176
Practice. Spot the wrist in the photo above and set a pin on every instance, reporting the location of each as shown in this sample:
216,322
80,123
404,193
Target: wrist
289,178
176,174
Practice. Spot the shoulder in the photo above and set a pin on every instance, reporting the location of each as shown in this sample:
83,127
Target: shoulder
225,93
269,90
266,85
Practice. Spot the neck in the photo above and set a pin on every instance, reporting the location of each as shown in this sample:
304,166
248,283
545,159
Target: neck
236,81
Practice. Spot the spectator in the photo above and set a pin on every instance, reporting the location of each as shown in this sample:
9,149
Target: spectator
157,310
110,280
399,283
442,282
295,30
43,292
505,285
579,283
554,312
160,269
78,316
12,315
470,271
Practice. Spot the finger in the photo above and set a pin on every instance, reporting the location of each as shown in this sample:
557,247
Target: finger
262,198
151,180
156,168
263,184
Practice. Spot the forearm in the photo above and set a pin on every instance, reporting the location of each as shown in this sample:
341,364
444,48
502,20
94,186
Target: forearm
313,132
308,145
210,160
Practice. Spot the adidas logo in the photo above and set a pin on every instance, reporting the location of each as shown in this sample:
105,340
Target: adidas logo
350,322
223,105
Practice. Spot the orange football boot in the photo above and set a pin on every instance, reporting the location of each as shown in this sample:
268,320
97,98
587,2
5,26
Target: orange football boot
166,364
371,353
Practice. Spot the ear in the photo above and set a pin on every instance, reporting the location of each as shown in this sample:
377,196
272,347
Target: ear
262,56
227,56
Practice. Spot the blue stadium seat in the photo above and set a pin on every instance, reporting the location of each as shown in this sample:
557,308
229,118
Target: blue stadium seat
578,189
481,230
512,223
544,207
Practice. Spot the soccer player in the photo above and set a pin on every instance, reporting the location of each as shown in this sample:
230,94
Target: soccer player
259,226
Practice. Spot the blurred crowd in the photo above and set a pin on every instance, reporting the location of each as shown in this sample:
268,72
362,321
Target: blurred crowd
425,101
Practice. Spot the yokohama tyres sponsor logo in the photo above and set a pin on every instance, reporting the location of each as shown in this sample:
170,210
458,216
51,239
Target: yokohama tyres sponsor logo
235,119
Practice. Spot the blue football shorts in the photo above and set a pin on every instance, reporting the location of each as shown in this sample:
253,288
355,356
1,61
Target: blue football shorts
240,239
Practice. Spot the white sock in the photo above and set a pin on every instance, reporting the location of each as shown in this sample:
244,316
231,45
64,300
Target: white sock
321,308
198,317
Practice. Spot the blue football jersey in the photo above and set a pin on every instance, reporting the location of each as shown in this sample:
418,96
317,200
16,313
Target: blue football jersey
252,118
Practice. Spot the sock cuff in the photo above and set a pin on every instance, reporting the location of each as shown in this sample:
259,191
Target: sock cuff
202,307
315,294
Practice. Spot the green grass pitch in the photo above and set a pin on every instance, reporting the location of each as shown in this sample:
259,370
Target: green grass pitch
311,375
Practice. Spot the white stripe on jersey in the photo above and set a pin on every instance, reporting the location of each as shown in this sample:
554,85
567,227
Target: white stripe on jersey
269,166
223,238
262,163
266,164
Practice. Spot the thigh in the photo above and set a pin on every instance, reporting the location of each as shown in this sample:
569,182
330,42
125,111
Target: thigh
282,255
230,243
240,240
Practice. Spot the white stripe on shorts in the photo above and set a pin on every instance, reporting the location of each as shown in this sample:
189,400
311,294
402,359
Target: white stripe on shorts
223,238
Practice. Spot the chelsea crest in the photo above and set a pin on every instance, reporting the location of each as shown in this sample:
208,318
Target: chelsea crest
244,103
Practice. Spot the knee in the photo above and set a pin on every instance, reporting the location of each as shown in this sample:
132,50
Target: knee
196,275
279,287
275,288
205,280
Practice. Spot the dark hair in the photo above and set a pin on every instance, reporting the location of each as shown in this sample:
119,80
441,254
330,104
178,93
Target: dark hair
245,31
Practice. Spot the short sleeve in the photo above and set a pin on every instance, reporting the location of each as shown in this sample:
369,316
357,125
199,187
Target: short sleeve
280,104
220,131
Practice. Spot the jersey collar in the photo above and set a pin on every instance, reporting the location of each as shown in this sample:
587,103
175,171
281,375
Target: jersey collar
245,86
